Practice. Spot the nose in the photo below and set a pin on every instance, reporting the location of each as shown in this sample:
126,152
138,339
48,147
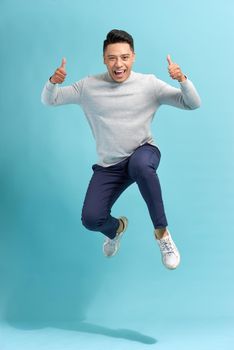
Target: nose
118,62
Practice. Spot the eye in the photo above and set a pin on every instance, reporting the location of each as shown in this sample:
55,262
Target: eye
125,58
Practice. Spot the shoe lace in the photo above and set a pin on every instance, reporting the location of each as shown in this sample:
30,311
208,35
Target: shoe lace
111,242
166,246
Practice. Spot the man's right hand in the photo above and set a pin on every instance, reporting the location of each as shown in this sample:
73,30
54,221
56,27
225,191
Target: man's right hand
60,74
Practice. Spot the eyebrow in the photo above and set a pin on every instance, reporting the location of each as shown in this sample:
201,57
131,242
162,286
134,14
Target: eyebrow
124,54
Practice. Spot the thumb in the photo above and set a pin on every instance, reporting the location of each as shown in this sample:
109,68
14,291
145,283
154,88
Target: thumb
64,61
169,59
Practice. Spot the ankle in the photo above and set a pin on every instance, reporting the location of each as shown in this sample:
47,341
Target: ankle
121,226
160,232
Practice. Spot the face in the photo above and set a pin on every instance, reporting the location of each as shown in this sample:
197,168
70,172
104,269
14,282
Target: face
119,59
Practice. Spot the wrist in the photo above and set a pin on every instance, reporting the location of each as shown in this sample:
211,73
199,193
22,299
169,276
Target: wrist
50,79
182,79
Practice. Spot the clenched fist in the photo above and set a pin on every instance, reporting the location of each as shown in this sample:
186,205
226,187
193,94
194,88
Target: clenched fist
60,73
175,71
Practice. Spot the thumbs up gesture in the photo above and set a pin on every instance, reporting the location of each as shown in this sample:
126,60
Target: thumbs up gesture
60,74
175,71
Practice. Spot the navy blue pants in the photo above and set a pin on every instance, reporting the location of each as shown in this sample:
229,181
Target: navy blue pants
107,184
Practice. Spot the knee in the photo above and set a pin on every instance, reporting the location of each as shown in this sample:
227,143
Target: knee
91,221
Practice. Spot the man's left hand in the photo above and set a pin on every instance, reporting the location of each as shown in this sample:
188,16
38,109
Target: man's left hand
175,71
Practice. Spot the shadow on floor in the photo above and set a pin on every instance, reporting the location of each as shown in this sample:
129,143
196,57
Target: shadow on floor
114,333
85,327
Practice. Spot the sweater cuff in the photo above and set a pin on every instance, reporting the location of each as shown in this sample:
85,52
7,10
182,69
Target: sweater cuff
185,85
50,86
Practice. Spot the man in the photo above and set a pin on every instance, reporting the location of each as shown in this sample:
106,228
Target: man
120,106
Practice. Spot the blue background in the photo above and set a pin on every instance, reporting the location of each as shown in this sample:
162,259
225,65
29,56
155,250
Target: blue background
57,291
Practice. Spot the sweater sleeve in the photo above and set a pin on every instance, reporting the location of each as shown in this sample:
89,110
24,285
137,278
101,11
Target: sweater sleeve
185,98
53,95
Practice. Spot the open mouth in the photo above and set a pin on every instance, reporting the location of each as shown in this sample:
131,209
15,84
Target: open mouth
119,73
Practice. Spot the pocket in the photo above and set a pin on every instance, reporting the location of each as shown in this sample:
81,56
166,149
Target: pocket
155,148
95,166
155,158
158,151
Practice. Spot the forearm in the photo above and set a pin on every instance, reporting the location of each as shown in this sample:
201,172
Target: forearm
49,94
54,95
185,98
190,95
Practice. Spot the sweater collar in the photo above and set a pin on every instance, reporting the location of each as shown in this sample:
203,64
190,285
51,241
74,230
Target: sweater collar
109,78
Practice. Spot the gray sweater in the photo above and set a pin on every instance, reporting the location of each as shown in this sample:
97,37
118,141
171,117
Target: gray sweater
120,114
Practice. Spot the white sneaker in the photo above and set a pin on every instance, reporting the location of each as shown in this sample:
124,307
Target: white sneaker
111,246
169,252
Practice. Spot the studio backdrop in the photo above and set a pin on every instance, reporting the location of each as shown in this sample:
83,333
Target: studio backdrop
52,268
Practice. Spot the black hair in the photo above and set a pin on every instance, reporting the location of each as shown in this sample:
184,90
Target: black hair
118,36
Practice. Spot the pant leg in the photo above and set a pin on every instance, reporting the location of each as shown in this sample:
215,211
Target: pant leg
106,185
142,167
